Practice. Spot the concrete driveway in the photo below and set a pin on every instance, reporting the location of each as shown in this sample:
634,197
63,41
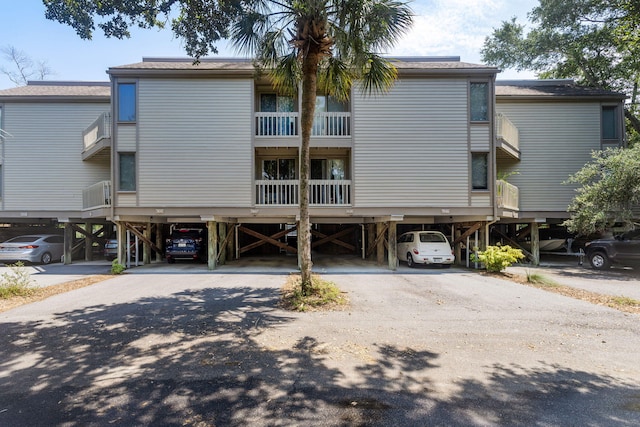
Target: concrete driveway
431,347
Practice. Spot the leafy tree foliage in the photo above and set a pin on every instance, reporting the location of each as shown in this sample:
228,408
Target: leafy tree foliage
595,42
322,45
609,190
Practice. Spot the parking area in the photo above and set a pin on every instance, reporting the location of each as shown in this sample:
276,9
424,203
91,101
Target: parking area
419,346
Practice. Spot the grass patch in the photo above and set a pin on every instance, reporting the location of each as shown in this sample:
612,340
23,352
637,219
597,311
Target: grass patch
625,301
16,282
541,280
324,295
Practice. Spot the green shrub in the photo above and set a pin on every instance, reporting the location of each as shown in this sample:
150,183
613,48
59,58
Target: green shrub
16,282
497,258
117,268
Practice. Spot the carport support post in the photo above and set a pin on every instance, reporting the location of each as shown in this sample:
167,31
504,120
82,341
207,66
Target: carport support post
223,249
88,239
535,243
159,242
68,242
393,253
212,247
122,243
146,249
380,246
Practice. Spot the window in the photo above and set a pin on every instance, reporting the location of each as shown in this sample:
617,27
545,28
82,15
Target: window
479,171
328,169
280,169
609,122
479,94
127,102
127,172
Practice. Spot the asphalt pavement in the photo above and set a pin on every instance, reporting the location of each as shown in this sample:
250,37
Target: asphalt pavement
441,347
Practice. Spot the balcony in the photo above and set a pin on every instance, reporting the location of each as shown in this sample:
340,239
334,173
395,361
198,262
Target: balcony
333,124
507,195
286,192
507,136
97,196
96,138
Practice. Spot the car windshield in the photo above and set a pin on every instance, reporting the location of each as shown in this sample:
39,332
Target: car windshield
23,239
431,238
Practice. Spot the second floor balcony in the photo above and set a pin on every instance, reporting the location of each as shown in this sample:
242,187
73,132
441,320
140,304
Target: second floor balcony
325,124
97,196
508,136
507,195
287,192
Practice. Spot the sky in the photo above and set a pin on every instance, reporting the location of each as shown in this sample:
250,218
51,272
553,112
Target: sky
441,28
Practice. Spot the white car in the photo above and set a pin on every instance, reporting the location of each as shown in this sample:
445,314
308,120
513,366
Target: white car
425,247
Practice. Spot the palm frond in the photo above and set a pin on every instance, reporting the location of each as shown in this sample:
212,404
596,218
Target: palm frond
378,75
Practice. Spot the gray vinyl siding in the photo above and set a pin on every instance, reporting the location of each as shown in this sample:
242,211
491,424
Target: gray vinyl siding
126,137
42,166
556,140
194,146
480,140
411,145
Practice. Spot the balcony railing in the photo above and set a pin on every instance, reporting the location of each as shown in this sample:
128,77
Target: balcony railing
286,192
337,124
507,195
99,129
507,131
97,196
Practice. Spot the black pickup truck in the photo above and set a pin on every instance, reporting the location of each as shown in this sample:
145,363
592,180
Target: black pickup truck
623,250
186,243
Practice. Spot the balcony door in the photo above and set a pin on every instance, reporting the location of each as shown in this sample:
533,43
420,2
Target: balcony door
280,123
279,169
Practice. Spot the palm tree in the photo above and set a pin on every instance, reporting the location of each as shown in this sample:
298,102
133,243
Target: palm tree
326,45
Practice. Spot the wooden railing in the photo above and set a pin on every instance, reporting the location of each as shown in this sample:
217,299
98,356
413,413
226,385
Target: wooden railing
287,124
99,129
507,131
97,196
287,192
507,195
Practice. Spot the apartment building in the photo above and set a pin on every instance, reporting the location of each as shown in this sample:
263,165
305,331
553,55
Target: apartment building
172,144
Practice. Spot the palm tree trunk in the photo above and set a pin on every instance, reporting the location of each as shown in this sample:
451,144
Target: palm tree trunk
309,87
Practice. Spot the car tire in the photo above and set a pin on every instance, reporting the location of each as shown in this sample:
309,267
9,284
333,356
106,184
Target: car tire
45,258
599,261
171,260
410,262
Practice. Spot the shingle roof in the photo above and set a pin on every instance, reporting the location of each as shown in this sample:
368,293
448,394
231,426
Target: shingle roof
548,89
59,90
239,66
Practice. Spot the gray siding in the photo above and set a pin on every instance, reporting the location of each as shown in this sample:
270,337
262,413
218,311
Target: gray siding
556,140
42,166
411,145
194,145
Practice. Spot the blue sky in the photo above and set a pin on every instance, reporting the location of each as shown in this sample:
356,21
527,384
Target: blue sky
441,28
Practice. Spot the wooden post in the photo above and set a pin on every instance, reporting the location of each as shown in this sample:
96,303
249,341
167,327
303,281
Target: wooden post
371,236
146,249
535,243
393,253
222,231
68,243
122,243
159,242
212,247
88,241
380,246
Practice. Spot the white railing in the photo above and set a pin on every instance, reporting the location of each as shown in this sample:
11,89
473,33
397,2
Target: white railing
99,129
507,195
287,124
286,192
97,196
276,124
507,131
332,124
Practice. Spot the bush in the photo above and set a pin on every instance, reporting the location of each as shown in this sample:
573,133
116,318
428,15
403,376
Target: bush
16,282
497,258
116,267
